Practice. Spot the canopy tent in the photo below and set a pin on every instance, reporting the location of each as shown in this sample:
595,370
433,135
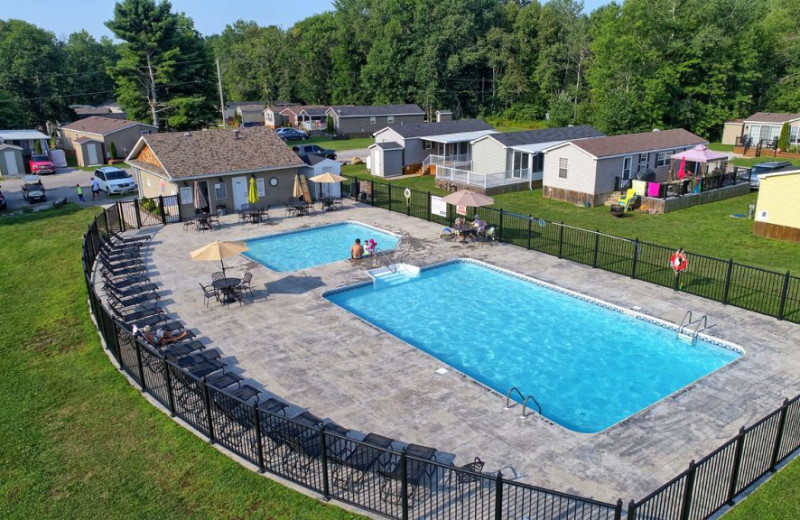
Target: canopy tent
698,162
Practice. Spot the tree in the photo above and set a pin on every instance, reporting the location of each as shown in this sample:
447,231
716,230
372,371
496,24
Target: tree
86,59
783,140
112,151
164,65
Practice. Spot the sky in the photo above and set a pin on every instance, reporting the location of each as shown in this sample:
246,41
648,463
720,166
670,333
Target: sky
210,16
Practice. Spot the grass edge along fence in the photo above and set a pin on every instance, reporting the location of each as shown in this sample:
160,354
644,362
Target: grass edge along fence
394,484
314,459
752,288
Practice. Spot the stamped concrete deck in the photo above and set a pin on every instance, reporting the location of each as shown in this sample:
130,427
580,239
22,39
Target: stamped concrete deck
293,343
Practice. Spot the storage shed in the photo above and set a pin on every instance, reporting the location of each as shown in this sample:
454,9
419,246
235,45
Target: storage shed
386,159
777,213
11,162
88,152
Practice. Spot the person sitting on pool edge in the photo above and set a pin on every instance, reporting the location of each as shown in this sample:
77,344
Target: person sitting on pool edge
357,251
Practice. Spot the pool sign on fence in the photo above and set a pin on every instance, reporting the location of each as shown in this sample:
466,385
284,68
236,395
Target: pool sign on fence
438,206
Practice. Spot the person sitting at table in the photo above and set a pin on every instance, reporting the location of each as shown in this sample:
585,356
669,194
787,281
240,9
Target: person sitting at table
357,251
162,337
479,225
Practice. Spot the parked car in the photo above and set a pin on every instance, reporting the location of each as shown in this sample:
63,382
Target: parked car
2,200
114,180
290,134
33,189
766,167
303,150
41,163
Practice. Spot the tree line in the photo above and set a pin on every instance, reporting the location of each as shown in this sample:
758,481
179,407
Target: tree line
626,67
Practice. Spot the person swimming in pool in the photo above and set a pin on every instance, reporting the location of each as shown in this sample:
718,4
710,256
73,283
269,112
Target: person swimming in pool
357,251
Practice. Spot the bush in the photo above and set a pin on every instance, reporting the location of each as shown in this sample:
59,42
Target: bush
37,147
113,151
150,205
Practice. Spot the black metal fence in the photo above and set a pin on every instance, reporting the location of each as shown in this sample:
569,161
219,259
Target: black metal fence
767,292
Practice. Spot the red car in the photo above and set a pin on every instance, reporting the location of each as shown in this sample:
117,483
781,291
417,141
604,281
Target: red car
40,164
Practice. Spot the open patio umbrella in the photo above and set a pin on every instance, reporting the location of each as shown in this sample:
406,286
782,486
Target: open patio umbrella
252,193
468,198
327,178
199,199
218,251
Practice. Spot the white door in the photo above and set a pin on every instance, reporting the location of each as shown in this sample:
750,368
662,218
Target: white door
93,159
11,162
240,189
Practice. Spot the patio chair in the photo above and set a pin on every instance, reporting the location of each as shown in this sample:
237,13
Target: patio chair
217,276
244,213
244,285
190,224
222,381
305,448
468,474
208,293
359,461
139,300
245,392
416,469
273,406
109,286
206,368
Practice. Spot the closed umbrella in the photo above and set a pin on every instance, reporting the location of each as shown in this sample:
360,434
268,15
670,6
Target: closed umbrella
218,251
682,168
297,190
252,194
327,178
199,199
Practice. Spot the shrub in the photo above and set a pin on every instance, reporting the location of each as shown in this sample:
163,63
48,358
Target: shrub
150,206
783,140
37,146
113,151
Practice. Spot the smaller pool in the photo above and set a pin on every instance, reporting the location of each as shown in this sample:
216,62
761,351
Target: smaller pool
295,250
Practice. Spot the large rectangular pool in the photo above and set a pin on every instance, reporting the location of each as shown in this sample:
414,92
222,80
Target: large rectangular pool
303,248
588,365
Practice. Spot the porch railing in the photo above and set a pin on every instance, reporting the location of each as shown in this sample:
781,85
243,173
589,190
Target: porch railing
462,161
483,180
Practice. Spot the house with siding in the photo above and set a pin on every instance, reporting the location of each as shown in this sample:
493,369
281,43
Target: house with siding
272,114
423,145
220,162
77,137
251,114
231,106
777,212
26,141
588,171
364,121
761,131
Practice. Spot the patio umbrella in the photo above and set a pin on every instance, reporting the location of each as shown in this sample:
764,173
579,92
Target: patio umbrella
199,199
297,190
252,194
468,198
682,169
327,178
218,251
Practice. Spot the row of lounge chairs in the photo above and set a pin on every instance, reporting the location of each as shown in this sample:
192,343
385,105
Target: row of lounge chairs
293,443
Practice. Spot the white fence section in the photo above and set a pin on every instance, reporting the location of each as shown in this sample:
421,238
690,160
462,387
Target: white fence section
463,161
484,180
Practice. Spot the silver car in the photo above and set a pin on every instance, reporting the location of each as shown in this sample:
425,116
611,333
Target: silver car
114,180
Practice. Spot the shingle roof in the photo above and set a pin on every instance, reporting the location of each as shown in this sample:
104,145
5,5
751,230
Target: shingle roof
445,127
92,111
378,110
101,125
317,110
312,159
251,107
546,135
86,140
772,117
388,145
212,152
641,142
231,105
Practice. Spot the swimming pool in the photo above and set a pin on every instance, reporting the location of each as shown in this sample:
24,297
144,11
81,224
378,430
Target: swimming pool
295,250
589,366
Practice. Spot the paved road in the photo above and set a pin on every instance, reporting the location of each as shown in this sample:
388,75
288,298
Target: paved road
347,155
62,184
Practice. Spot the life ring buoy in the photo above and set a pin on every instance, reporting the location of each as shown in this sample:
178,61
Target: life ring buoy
407,193
678,261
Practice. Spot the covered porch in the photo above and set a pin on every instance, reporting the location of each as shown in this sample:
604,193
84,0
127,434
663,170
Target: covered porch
450,150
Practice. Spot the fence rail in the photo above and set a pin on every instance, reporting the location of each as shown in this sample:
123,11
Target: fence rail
396,485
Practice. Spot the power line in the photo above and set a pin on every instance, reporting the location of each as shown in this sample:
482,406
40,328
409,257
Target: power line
41,98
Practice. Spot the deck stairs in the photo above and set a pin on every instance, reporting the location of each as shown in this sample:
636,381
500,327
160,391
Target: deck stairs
613,199
393,274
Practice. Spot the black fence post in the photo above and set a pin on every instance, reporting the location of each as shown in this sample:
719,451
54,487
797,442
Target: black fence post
776,450
323,446
139,362
404,483
500,231
121,219
737,464
596,248
677,284
618,510
635,258
161,210
728,274
138,214
428,212
530,228
207,398
784,292
390,197
688,491
168,378
108,229
372,192
561,239
498,496
259,442
631,510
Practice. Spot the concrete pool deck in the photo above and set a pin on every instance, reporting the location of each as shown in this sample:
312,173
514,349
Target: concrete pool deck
291,342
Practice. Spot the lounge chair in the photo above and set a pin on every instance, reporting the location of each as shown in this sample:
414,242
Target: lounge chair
116,237
417,468
628,200
222,381
206,368
359,461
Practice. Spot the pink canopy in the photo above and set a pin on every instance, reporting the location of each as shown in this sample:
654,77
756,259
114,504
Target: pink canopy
699,154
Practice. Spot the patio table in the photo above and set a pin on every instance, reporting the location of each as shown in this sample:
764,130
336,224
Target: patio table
227,286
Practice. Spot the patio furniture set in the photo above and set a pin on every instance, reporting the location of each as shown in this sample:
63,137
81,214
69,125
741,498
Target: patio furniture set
201,222
254,213
227,290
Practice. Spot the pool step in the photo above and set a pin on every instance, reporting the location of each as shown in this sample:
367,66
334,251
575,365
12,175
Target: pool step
393,274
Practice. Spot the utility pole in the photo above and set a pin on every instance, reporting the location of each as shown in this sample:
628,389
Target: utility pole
221,101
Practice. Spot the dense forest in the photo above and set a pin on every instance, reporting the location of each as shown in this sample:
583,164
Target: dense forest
624,67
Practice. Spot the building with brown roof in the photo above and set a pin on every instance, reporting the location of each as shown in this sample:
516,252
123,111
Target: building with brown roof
103,130
587,171
220,163
765,128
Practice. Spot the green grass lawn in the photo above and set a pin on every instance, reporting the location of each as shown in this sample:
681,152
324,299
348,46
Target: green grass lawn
338,144
750,161
777,499
719,147
78,441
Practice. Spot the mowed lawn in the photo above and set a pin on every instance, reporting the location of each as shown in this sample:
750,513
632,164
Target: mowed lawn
76,439
708,229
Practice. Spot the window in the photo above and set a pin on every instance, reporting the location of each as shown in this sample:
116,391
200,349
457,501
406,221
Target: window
520,162
390,119
372,120
794,134
626,167
428,145
220,191
663,158
562,167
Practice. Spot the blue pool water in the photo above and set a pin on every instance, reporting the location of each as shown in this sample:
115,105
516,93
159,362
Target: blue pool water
588,366
304,248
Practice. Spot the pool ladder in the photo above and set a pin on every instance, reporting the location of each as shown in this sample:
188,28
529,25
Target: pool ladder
384,260
700,325
525,400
